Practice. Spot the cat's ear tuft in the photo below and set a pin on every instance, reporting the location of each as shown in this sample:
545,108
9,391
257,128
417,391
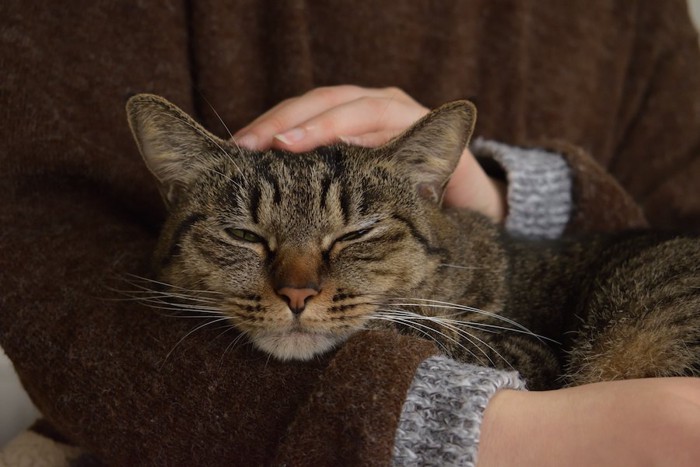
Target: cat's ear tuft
428,152
175,148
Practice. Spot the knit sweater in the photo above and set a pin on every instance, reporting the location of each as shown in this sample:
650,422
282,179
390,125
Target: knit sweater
611,86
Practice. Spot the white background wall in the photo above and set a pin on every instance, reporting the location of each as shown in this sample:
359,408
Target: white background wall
694,11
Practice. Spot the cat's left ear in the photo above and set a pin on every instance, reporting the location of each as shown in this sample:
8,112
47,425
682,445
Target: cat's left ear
428,152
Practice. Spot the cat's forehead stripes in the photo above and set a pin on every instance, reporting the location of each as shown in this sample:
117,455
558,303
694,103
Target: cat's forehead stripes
254,203
283,186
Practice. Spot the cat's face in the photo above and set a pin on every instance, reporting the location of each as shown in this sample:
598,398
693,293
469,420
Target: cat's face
298,250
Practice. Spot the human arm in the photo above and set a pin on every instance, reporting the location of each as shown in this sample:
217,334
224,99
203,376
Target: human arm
653,422
460,414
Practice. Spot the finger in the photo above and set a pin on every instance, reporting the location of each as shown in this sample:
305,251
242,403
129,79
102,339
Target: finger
298,109
359,117
371,140
292,112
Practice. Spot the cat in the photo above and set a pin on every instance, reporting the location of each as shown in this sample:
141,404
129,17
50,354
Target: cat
300,251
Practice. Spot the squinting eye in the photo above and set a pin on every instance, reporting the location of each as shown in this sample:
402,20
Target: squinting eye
353,235
243,235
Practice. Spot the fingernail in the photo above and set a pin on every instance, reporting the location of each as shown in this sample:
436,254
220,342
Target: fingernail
249,141
351,140
292,136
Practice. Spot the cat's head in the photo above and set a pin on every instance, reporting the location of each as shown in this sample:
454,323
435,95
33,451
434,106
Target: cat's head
299,250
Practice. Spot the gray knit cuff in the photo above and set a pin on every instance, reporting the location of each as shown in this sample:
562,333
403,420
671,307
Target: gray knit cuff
441,419
539,188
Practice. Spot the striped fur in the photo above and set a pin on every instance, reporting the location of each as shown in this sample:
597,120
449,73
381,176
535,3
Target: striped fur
300,251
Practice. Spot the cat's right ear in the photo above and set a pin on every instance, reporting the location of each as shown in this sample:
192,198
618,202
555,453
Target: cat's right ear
175,148
428,152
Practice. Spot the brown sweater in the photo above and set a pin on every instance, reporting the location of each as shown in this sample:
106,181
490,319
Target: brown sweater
616,79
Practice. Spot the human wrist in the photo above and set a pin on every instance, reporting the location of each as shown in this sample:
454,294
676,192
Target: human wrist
498,206
472,188
441,418
503,428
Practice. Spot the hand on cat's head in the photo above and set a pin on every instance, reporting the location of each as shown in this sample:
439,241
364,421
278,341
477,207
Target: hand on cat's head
365,117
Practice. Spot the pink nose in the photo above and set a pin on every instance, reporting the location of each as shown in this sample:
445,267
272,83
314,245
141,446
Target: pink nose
296,298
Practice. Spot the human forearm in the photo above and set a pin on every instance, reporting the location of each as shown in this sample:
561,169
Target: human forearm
652,422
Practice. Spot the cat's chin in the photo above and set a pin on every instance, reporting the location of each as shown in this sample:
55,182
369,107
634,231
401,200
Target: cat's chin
295,345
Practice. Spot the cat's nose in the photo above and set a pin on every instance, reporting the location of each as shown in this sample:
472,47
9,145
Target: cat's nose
296,297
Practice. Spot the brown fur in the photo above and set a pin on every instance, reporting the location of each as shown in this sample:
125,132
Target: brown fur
301,251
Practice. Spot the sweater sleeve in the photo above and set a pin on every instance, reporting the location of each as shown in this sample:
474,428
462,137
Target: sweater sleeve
441,419
539,188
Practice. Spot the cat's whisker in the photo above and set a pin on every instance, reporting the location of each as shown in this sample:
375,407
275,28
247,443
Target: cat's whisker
217,315
456,342
173,302
168,285
457,266
185,303
461,333
159,301
540,337
470,336
486,327
409,318
221,120
178,311
141,289
140,296
231,345
201,326
411,325
454,306
227,177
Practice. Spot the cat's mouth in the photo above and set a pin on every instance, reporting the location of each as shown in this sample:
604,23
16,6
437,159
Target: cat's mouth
296,343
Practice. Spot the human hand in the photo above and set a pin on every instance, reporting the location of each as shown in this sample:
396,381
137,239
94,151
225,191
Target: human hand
365,117
653,422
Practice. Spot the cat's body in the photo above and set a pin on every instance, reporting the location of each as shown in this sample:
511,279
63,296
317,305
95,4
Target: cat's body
300,251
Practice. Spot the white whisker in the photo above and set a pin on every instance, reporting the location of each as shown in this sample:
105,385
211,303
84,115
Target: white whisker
409,324
217,115
165,284
231,344
457,266
208,323
454,306
459,332
486,327
410,317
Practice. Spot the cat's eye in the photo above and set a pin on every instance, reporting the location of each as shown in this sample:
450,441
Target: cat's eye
353,235
243,235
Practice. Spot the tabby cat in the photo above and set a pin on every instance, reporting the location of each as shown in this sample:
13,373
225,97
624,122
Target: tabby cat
300,251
